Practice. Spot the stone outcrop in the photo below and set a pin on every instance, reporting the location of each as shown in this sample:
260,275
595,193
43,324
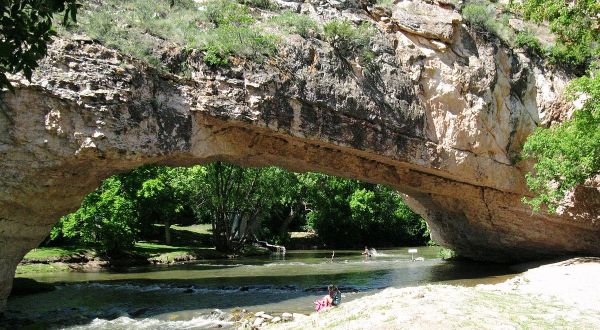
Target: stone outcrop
440,115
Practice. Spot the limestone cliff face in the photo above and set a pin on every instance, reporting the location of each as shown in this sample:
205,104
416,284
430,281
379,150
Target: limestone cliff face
440,115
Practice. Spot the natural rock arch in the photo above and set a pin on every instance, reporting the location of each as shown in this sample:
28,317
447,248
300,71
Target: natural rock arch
441,122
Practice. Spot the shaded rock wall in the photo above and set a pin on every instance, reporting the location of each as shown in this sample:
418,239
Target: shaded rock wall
440,115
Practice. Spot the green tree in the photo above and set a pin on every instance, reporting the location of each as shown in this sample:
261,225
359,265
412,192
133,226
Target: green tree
25,30
167,194
236,199
350,213
106,220
575,23
569,153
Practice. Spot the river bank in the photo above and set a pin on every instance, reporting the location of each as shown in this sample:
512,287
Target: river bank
562,295
189,243
65,259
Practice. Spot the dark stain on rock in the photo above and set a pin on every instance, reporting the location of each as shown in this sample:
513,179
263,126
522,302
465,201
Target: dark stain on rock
308,118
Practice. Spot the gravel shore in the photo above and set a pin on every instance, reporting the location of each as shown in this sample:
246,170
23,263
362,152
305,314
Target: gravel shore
563,295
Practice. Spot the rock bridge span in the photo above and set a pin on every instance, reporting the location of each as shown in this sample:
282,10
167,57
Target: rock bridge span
441,122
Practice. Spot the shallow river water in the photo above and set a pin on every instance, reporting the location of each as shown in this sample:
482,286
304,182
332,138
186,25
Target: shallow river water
185,296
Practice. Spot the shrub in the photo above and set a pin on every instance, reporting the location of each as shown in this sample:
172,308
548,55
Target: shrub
234,34
221,12
573,57
227,40
575,24
296,23
447,254
262,4
529,42
480,15
346,37
569,153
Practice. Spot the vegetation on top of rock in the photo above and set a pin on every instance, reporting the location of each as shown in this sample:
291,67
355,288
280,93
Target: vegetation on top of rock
576,25
345,36
296,23
234,33
26,28
143,29
226,12
483,16
262,4
140,28
528,41
569,153
349,39
480,14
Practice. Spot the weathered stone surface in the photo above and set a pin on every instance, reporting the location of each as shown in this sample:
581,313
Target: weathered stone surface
425,19
440,122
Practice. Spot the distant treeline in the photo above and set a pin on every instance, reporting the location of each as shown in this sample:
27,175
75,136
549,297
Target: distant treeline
241,204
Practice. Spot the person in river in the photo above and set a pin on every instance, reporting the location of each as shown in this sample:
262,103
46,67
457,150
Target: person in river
367,253
333,298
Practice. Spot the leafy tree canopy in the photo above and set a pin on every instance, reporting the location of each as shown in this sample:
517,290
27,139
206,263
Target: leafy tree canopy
242,204
575,24
25,30
569,153
107,220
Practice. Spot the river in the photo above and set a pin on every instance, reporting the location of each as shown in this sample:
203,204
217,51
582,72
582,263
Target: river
187,295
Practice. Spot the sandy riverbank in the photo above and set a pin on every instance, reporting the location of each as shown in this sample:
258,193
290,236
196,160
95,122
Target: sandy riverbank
563,295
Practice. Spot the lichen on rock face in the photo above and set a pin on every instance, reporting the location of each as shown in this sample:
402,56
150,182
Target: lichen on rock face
436,111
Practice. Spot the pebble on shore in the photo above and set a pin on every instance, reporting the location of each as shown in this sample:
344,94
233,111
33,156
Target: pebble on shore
259,319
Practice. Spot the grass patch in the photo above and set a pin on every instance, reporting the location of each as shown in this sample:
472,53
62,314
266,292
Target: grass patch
346,37
163,252
229,40
350,40
42,268
483,16
54,252
145,29
140,28
202,229
296,24
480,15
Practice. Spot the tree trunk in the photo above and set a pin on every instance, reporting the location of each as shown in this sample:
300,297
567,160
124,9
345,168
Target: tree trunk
167,231
286,222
